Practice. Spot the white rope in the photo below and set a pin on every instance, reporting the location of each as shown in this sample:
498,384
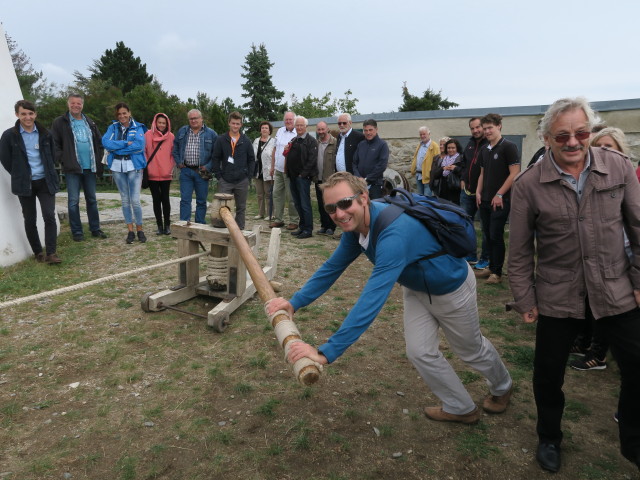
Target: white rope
217,272
79,286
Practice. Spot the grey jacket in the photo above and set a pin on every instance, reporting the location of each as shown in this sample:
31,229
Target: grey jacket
579,246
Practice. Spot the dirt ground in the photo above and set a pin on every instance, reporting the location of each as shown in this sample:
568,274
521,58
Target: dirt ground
92,387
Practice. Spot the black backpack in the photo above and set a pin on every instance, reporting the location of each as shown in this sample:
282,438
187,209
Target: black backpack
448,222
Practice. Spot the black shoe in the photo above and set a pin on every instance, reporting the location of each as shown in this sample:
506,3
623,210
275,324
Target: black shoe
141,236
78,238
304,235
99,234
548,456
296,232
131,237
167,230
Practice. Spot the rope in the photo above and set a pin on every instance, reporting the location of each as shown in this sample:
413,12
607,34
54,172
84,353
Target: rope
97,281
218,272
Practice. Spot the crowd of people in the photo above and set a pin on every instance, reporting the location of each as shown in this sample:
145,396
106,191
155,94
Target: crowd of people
574,248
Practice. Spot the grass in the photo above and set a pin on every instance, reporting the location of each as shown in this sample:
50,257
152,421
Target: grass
474,442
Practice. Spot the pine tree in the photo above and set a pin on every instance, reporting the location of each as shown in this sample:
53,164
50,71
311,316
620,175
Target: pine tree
430,100
33,84
121,69
263,98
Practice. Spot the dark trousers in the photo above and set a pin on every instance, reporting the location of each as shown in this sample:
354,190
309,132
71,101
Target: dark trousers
301,196
468,202
325,218
47,201
493,223
375,191
161,203
240,191
554,337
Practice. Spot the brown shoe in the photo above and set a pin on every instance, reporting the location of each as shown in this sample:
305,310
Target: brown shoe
39,257
497,403
292,226
439,415
276,225
484,273
494,279
52,259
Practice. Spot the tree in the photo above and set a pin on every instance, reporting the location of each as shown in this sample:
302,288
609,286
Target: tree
263,98
214,114
430,100
325,106
120,68
33,84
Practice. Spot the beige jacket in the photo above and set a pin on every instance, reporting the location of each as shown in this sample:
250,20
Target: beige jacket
579,246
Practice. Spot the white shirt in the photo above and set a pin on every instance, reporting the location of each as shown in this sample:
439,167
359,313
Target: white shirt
283,137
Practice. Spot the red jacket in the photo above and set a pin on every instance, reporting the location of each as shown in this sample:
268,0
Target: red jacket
161,167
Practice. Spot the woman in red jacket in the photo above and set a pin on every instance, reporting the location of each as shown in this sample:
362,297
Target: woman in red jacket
158,150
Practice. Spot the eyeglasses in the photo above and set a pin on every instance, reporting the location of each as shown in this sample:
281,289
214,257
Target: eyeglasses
343,123
564,137
343,204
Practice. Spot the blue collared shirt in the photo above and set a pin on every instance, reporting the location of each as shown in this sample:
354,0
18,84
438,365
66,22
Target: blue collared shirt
576,185
422,152
31,143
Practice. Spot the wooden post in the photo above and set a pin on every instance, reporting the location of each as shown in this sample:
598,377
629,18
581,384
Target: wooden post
306,370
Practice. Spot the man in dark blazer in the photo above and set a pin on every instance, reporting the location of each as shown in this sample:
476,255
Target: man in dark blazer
348,140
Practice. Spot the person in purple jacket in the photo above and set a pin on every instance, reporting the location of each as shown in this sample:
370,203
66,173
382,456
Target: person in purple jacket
438,292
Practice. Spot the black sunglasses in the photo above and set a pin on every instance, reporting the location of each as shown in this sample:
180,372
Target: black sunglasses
343,204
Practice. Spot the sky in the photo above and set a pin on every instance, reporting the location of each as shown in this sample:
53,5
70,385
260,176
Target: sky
492,53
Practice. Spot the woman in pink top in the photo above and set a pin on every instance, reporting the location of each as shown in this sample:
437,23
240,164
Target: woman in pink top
158,150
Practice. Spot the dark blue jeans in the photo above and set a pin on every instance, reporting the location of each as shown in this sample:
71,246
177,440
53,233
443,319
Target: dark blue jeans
325,218
47,202
493,223
190,181
87,181
470,206
301,196
554,337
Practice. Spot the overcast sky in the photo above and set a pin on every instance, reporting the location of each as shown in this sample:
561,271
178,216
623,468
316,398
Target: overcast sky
487,53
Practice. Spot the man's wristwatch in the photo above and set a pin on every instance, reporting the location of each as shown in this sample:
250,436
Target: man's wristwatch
499,195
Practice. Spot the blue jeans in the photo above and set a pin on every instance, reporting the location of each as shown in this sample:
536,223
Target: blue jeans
423,188
87,181
468,202
190,180
128,184
300,194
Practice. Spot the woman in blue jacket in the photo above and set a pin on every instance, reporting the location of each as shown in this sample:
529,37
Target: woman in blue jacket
124,141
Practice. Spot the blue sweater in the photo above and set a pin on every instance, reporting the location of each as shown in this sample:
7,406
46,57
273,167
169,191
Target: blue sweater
395,258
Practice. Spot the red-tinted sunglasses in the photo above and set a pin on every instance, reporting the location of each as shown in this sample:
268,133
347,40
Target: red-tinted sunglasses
564,137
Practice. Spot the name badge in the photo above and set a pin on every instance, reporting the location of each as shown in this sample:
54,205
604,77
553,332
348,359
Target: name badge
230,160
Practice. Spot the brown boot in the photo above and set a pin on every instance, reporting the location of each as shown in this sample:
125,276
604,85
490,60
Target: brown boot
484,273
497,403
439,415
52,259
494,279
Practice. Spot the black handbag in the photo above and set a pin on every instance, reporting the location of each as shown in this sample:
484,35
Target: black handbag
145,173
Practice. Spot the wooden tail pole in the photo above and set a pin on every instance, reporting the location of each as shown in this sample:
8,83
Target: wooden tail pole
307,371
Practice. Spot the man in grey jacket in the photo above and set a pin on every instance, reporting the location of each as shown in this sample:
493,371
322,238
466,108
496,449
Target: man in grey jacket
570,210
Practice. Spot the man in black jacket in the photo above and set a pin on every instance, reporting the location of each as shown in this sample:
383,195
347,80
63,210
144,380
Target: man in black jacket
233,164
302,168
78,150
26,152
371,159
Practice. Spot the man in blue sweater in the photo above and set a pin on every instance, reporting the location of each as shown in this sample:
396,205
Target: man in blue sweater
438,293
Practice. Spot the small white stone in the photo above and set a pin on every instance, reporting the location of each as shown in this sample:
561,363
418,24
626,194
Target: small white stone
376,431
74,384
150,424
397,455
222,424
405,411
400,394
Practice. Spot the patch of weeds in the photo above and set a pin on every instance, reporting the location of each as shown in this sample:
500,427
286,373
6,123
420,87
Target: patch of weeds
520,356
42,405
351,413
127,467
158,449
4,331
201,422
474,443
340,440
41,465
4,367
243,388
301,442
333,326
214,371
124,304
164,385
7,412
103,410
274,450
134,377
373,393
268,408
260,361
154,412
196,366
467,377
448,355
224,437
112,352
600,469
386,431
92,458
574,410
306,393
133,339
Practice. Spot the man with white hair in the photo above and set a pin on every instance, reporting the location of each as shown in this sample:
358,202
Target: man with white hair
281,191
348,141
302,168
567,265
422,161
